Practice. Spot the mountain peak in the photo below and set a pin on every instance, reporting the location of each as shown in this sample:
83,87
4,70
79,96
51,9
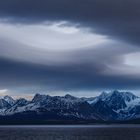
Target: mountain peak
68,96
103,94
9,99
39,97
114,105
128,96
21,102
117,99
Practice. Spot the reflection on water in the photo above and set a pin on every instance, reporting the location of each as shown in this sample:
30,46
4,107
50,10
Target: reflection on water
97,132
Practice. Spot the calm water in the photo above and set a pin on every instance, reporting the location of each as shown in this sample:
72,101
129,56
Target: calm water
96,132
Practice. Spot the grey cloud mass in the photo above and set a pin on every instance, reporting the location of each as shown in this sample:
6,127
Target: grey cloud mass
70,45
116,18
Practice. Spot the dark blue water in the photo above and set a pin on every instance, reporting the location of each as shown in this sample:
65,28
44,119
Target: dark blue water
75,132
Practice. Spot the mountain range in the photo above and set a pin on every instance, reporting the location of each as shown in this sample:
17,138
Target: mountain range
112,106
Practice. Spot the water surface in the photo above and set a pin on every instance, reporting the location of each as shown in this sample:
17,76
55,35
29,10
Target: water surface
71,132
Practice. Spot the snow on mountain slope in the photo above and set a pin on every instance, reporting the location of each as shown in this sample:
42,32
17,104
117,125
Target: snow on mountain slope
121,101
125,104
63,106
117,100
66,105
9,99
4,104
113,105
18,106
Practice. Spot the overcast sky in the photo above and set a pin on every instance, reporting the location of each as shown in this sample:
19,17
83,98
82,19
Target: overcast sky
81,47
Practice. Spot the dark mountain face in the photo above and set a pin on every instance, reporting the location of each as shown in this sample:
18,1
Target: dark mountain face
9,99
40,98
117,100
4,104
21,102
105,111
65,106
112,106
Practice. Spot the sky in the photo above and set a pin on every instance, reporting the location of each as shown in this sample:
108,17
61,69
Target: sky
81,47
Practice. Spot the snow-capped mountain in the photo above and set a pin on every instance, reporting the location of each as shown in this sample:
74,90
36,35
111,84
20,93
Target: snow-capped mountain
66,107
4,104
109,106
9,100
121,103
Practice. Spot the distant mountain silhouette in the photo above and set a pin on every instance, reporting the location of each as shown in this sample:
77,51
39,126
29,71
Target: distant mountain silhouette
113,106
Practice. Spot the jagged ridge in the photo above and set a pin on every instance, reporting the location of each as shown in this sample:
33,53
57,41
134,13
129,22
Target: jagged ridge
112,106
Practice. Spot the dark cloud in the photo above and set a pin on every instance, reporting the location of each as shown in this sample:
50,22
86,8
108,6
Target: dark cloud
83,76
118,19
86,69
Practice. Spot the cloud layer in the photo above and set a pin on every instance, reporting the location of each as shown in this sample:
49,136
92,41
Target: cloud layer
67,45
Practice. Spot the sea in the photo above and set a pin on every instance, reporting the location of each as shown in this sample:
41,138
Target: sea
70,132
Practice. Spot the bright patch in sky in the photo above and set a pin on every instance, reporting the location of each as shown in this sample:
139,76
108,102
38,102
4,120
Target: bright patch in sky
3,92
133,59
57,36
130,65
